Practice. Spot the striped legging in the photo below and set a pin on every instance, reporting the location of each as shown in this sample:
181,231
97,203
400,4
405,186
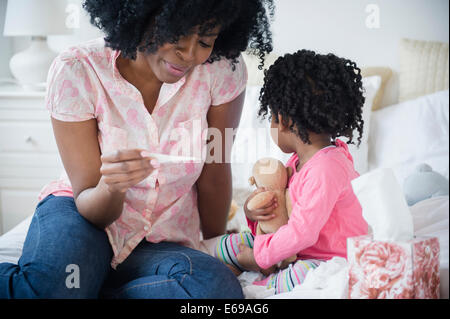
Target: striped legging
284,280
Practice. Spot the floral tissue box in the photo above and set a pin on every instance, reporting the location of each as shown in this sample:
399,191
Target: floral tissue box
393,270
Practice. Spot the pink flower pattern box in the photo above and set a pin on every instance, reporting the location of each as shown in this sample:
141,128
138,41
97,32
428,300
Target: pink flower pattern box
393,270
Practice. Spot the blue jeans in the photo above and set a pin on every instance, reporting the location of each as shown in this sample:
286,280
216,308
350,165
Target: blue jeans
65,256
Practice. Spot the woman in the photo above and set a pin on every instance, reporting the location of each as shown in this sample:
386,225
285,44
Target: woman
119,224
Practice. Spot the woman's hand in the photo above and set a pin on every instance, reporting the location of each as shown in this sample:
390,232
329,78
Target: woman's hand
264,213
246,259
123,169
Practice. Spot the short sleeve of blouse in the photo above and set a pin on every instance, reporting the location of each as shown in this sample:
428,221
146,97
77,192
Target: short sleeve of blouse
226,83
69,94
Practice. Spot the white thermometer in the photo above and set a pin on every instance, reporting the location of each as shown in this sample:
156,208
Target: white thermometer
164,158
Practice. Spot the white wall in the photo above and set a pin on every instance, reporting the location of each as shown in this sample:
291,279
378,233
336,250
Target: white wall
11,45
84,32
337,26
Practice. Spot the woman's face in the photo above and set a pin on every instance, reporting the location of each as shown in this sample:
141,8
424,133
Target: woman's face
172,61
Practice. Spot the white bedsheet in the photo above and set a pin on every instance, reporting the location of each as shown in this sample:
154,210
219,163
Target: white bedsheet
11,243
328,281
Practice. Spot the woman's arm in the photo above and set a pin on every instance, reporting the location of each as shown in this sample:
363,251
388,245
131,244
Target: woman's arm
98,182
214,184
80,153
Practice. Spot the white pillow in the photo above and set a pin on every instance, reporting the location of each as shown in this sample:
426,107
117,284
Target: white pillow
371,86
410,133
253,141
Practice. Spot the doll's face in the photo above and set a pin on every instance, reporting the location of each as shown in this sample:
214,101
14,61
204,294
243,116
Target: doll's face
270,173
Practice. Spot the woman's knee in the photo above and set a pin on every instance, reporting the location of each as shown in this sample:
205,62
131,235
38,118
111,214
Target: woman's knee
224,283
59,218
208,277
64,255
199,274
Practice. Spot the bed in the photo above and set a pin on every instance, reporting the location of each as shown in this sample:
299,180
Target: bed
399,136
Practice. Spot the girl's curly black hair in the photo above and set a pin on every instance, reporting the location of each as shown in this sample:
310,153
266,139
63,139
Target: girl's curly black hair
315,93
145,25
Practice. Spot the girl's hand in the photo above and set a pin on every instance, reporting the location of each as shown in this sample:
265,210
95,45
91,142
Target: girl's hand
123,169
264,213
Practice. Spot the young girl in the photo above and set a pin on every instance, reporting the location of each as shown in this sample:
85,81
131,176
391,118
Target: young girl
312,100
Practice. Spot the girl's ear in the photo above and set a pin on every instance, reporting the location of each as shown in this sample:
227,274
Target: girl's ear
281,124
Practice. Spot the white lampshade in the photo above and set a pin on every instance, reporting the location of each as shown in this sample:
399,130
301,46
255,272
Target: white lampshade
35,18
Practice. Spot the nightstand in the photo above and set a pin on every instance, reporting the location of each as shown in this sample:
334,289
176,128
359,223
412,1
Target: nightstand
29,156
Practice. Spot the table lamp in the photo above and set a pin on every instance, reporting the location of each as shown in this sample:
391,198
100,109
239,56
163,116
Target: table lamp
35,18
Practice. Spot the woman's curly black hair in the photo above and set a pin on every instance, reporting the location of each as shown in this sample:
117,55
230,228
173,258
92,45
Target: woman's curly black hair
315,93
145,25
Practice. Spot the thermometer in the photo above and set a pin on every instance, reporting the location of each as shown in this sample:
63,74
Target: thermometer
164,158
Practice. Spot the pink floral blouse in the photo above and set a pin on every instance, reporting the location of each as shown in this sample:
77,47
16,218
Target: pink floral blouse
84,83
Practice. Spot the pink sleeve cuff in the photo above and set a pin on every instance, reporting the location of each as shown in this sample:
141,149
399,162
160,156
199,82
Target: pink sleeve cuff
263,260
252,225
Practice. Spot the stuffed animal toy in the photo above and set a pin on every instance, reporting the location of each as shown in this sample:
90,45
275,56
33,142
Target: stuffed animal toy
273,176
233,209
424,183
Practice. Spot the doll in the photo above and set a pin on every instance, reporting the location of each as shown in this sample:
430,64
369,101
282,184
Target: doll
273,176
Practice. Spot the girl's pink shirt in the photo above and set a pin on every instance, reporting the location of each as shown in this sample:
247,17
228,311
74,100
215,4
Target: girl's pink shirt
84,83
325,211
